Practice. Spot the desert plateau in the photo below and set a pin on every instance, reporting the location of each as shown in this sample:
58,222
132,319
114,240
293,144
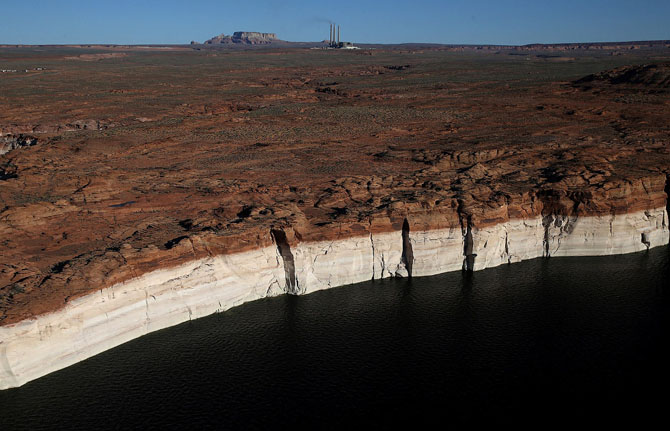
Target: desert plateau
141,187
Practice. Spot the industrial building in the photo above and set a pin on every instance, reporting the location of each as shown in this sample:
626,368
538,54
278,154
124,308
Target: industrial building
334,39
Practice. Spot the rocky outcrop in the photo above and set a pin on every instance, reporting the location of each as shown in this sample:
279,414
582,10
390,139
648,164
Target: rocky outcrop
166,297
11,142
114,315
12,131
245,38
646,76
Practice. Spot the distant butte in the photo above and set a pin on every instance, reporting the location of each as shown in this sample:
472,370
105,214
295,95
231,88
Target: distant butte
245,38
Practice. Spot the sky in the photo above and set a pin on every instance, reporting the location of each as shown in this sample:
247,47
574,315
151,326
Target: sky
377,21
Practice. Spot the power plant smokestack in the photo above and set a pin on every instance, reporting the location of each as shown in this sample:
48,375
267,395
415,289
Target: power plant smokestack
338,34
330,35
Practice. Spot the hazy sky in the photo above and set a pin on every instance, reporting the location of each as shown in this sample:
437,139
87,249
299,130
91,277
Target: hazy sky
387,21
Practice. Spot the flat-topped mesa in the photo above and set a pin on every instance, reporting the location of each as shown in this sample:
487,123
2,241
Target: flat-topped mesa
598,46
253,37
244,37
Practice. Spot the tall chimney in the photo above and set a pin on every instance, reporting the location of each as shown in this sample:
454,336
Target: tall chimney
338,34
330,35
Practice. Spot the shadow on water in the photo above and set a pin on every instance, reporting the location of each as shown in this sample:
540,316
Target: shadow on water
545,342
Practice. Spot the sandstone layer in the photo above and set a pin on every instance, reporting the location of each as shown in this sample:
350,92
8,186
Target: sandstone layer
166,297
207,179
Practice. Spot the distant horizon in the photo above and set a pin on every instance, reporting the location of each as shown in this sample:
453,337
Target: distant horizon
320,41
391,22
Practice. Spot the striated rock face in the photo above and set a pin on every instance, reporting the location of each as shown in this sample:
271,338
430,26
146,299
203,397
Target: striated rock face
114,315
244,37
166,297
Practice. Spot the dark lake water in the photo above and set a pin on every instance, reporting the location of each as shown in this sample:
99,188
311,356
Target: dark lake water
561,341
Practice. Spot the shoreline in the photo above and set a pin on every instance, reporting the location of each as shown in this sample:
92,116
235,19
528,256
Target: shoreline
166,297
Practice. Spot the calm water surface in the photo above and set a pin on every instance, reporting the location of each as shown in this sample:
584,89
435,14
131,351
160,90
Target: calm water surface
539,343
